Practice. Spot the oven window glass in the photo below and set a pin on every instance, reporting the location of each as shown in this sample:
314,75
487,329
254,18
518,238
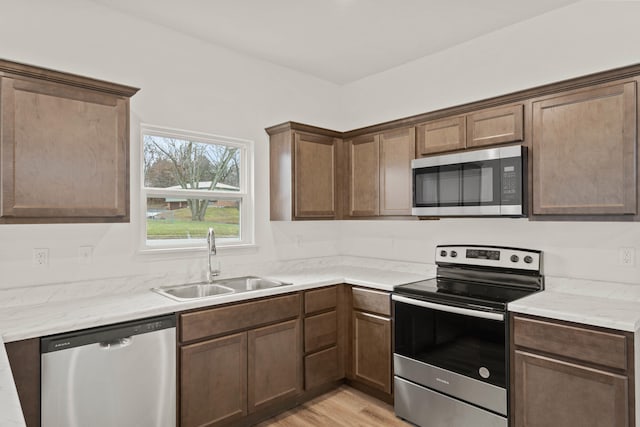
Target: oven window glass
454,342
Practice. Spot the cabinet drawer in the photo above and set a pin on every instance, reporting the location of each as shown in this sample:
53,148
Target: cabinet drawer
602,348
321,368
320,299
373,301
320,331
217,321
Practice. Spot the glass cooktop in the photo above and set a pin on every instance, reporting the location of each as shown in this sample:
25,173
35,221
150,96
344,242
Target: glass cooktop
463,293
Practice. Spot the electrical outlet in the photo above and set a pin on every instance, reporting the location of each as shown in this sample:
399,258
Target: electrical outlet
41,257
627,257
85,254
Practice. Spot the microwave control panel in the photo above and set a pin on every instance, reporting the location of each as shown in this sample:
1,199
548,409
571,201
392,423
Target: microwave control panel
511,181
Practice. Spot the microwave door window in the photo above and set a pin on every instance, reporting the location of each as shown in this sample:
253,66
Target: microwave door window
449,186
479,183
427,187
471,184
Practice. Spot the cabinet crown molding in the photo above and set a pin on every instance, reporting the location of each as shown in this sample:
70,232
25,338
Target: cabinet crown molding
18,70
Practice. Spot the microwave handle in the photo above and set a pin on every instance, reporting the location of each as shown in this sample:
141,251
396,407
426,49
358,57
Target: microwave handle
448,308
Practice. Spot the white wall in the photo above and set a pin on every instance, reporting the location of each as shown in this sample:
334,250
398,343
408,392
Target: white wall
573,41
192,85
186,84
579,39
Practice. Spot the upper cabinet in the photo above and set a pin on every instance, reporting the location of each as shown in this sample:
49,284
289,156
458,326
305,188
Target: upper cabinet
64,147
364,176
303,173
477,129
379,175
580,135
397,150
495,126
441,135
585,151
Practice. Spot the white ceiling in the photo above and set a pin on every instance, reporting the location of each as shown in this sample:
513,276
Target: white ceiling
336,40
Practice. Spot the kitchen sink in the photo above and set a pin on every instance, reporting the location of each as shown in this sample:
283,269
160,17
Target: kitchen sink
193,291
217,288
250,283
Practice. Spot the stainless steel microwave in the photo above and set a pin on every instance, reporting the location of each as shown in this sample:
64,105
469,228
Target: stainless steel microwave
489,182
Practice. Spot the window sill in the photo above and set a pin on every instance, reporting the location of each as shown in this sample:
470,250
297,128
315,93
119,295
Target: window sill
240,249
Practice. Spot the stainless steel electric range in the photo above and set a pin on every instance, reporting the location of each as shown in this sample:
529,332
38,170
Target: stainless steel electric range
451,342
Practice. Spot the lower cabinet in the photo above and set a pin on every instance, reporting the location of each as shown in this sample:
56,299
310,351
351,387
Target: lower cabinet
323,333
213,381
567,375
371,362
274,364
251,363
372,350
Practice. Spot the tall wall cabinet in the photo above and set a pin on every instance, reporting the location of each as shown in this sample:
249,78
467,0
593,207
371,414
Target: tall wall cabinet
64,147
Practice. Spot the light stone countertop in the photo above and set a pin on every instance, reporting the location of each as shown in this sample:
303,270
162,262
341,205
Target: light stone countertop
56,316
608,305
603,304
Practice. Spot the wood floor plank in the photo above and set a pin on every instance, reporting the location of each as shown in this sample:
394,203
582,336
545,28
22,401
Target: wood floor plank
342,407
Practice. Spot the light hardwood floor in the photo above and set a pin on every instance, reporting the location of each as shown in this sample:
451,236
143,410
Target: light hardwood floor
342,407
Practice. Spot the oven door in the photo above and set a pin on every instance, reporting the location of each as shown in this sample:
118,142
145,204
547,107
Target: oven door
457,351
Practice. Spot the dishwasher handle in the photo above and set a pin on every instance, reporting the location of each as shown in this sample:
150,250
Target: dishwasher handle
116,343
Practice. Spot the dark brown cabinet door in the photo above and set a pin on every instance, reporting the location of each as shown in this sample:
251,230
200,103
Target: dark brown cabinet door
274,365
397,149
441,135
321,368
364,182
550,392
495,126
372,350
585,152
213,381
314,176
24,358
65,153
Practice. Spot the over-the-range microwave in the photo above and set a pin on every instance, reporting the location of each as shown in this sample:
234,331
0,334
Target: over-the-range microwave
488,182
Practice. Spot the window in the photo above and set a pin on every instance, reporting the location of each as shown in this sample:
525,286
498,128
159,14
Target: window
193,181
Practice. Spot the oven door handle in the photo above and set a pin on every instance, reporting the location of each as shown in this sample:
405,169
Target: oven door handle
449,308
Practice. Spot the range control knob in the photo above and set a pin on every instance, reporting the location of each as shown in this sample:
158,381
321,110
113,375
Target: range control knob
443,253
528,259
514,258
454,254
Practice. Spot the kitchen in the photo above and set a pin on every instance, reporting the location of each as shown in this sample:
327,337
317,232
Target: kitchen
223,92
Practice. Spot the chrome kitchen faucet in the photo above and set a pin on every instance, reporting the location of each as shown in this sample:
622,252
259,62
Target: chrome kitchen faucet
211,251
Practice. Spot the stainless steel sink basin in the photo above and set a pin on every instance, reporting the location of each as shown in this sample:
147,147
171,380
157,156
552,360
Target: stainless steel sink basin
217,288
250,283
193,291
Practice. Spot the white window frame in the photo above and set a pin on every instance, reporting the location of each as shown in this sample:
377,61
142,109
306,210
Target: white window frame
246,196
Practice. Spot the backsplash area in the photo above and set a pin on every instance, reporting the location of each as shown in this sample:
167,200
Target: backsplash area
585,250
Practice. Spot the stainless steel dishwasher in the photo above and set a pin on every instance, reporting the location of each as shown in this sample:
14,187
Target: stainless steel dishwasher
121,375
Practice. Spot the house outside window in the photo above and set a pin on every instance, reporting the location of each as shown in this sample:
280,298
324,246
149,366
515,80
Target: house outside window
192,181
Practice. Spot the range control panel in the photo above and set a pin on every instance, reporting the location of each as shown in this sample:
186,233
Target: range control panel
490,256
